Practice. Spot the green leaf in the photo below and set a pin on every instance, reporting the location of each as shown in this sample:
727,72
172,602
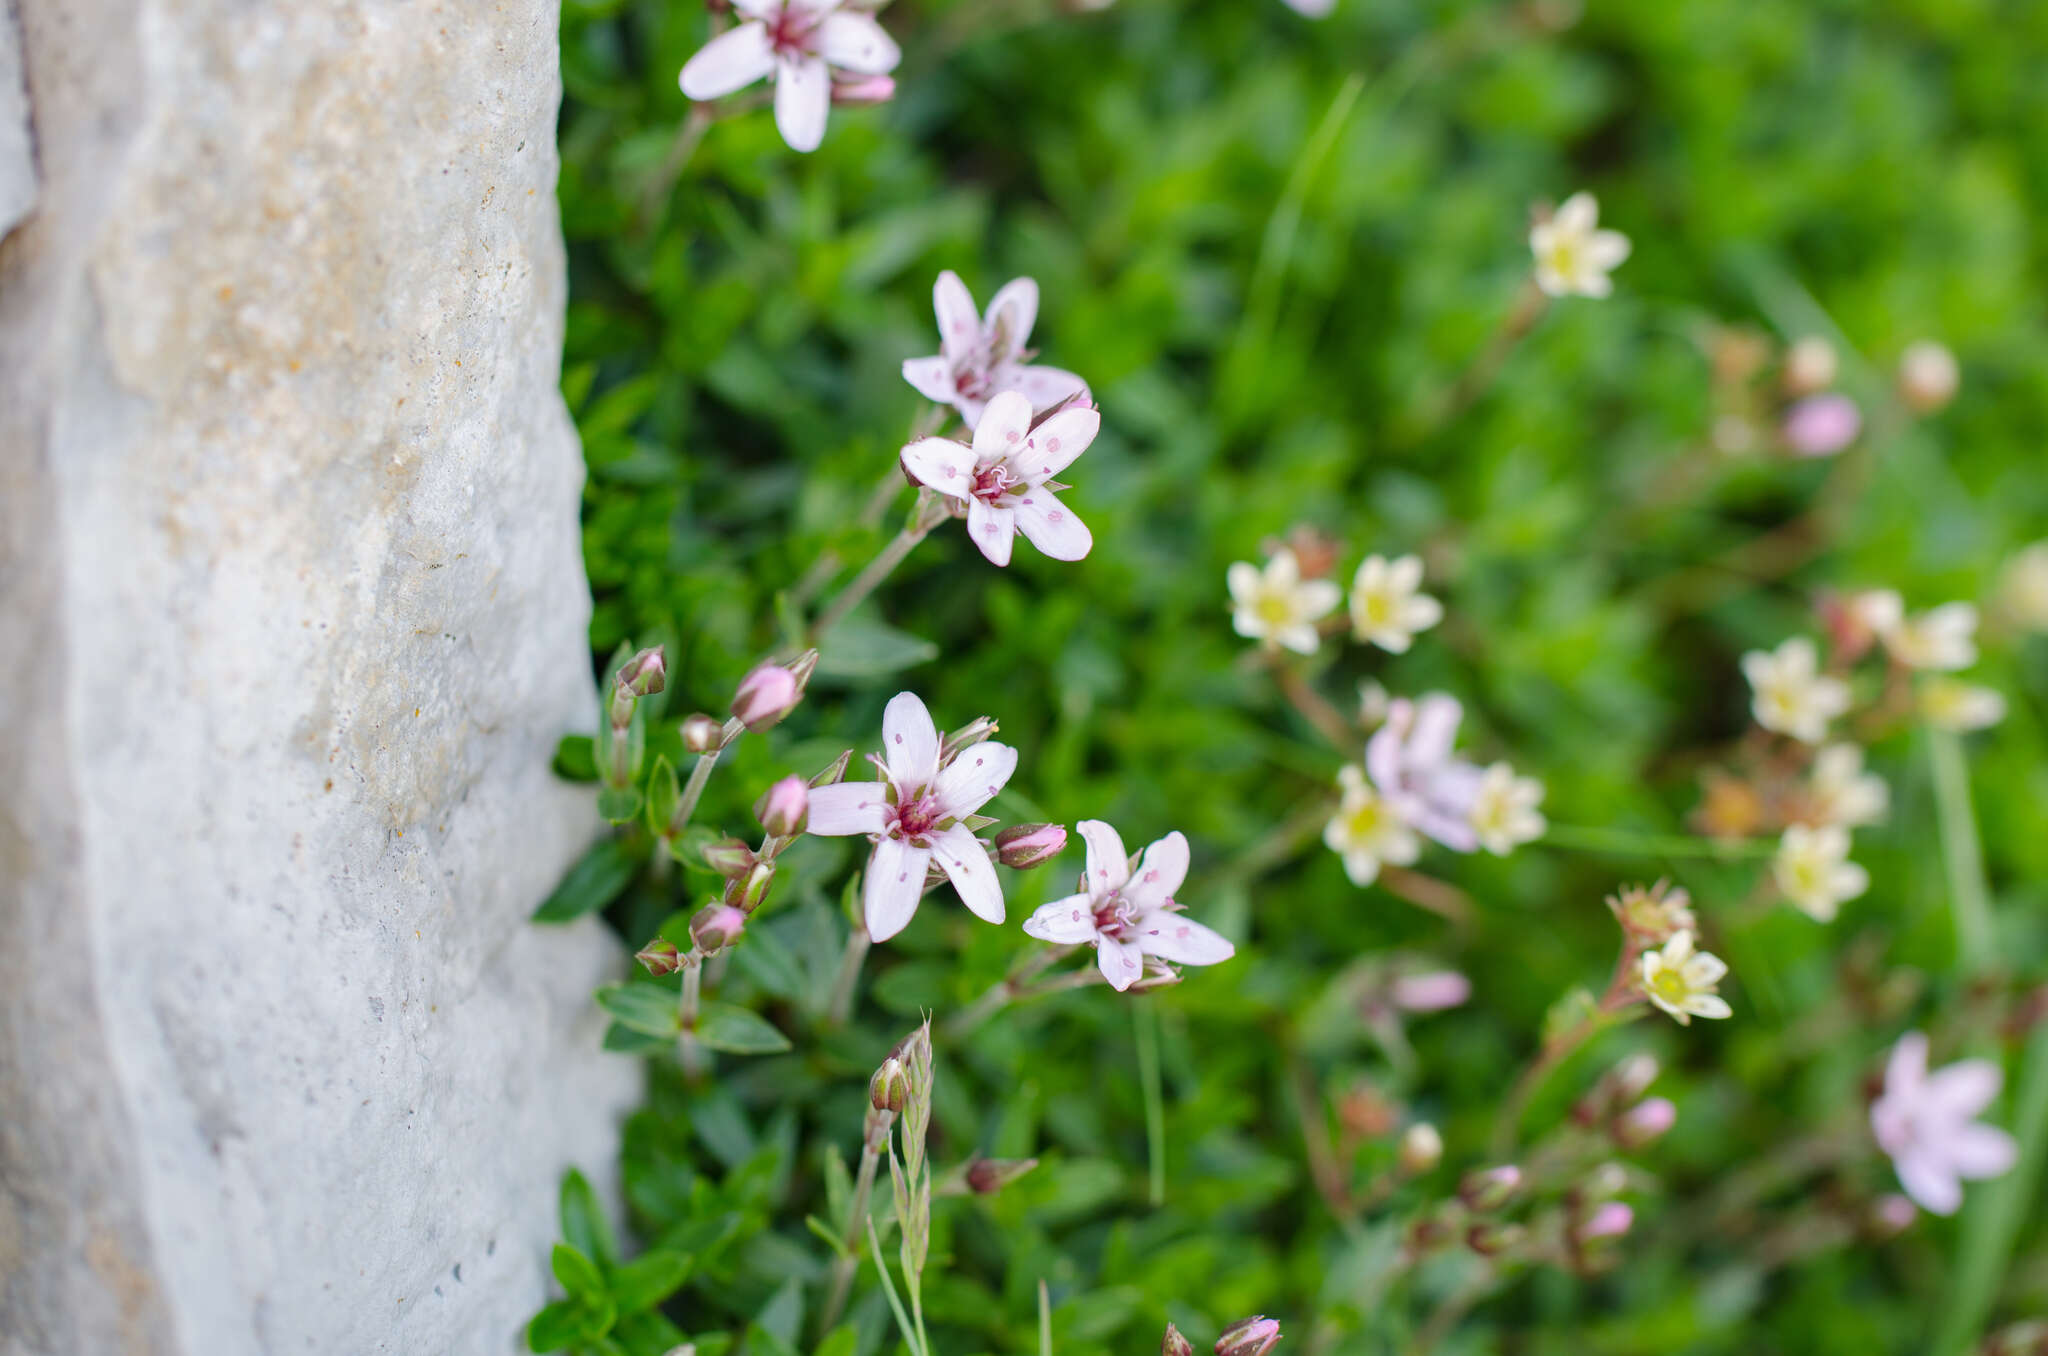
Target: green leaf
647,1008
624,1040
650,1278
619,803
568,1323
838,1183
824,1232
841,1341
595,881
663,791
769,965
737,1031
576,758
577,1273
864,646
584,1227
647,1334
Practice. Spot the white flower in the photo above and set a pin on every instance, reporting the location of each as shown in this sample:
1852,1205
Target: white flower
1792,696
913,815
981,357
1841,792
1276,605
1366,831
1928,1124
799,43
1373,702
1504,812
1571,255
1876,610
1386,610
1682,981
1943,639
1814,871
1410,760
2026,587
1952,704
1129,914
1004,480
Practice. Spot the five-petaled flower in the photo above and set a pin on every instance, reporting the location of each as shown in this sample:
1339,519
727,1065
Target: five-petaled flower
1276,606
980,357
1841,792
1386,607
1004,481
800,43
1681,981
1814,871
1504,812
1927,1123
1366,832
1410,760
1943,638
1952,704
913,815
1793,696
1572,254
1130,913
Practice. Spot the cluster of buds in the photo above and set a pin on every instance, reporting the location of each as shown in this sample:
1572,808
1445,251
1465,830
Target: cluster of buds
622,741
1473,1218
1811,419
1617,1108
1254,1336
1652,914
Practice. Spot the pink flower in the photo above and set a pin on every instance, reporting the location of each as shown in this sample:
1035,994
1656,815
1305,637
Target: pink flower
913,815
1410,760
1821,425
979,358
1927,1123
1433,991
799,44
1129,915
1005,479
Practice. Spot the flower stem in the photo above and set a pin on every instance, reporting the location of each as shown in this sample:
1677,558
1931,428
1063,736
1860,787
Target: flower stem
1619,997
889,1288
1628,843
1314,707
687,1005
876,570
1001,994
1969,898
848,1262
1146,1021
839,1006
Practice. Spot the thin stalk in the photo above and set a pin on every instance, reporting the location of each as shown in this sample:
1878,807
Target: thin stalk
1044,1319
1000,994
1620,996
871,576
1315,708
914,1283
910,1335
1962,856
1628,843
1146,1021
687,1050
848,1261
839,1007
693,790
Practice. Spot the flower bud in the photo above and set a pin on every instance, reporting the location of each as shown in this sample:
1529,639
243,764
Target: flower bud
767,694
1632,1077
1645,1122
748,892
1433,991
1254,1336
872,89
1891,1215
729,857
966,737
1606,1181
660,956
784,807
834,773
1175,1344
1024,846
802,667
702,733
890,1086
1610,1219
1490,1239
646,673
715,927
987,1176
1821,425
1490,1188
1928,377
1810,367
1422,1148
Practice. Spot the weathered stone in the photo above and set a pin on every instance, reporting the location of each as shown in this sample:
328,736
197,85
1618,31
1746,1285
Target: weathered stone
291,615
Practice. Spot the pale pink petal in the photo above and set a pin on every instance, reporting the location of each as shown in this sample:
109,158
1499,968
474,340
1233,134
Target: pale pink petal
848,807
731,61
1011,314
941,463
1436,729
1164,867
803,97
1981,1151
933,378
1051,447
1964,1088
974,776
1927,1179
970,410
992,528
894,885
971,872
1178,938
1122,963
1045,387
959,322
1109,866
910,742
1906,1070
855,42
757,9
1000,430
1064,921
1050,525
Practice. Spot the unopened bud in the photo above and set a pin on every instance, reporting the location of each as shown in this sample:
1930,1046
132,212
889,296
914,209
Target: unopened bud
1024,846
1174,1343
1490,1239
1645,1122
1433,991
702,733
661,957
1606,1181
646,673
1891,1215
873,89
1429,1232
987,1176
715,927
1632,1077
1928,377
1810,366
729,857
966,737
1490,1188
747,893
784,807
1821,425
834,773
1422,1148
890,1086
1611,1219
767,694
1254,1336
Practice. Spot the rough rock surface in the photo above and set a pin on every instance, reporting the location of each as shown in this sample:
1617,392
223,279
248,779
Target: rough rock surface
291,615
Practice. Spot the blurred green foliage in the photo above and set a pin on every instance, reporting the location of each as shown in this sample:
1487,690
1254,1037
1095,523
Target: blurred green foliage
1272,336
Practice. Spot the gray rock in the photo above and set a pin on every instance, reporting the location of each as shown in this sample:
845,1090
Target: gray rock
291,615
17,149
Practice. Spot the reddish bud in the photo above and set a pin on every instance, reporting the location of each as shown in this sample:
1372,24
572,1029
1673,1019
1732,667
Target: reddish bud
716,927
646,673
987,1176
1490,1188
1027,845
729,857
747,893
1431,992
702,733
660,957
767,694
1174,1343
1254,1336
1821,425
785,806
1611,1219
1645,1122
890,1087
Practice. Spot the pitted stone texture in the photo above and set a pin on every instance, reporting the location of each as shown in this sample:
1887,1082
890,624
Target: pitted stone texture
291,615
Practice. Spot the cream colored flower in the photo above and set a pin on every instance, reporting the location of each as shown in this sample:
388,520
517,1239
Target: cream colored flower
1952,704
1366,831
2026,587
1840,792
1504,812
1943,639
1276,606
1813,870
1386,609
1682,981
1572,255
1876,611
1928,376
1792,696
